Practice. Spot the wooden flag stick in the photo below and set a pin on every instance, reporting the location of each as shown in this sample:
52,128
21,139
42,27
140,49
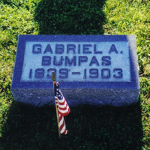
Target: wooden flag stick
54,80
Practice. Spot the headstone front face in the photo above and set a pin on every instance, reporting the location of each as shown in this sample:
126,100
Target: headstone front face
91,69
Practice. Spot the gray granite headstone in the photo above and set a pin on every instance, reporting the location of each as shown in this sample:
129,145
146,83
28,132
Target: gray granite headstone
91,69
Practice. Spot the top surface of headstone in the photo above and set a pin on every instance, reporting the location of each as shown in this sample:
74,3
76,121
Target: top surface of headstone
77,61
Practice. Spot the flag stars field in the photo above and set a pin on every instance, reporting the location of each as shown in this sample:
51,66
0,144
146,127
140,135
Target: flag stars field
89,127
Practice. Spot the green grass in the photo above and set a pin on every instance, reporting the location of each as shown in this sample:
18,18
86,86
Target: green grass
24,127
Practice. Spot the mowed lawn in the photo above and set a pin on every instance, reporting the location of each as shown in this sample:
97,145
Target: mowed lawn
25,127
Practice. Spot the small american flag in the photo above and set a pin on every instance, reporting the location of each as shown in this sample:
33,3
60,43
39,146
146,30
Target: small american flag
63,108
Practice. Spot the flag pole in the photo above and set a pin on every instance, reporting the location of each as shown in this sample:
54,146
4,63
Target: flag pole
54,80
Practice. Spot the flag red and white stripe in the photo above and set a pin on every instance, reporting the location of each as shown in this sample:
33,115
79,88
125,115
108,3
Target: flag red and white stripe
62,107
62,125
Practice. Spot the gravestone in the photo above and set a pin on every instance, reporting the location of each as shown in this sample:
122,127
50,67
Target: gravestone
91,69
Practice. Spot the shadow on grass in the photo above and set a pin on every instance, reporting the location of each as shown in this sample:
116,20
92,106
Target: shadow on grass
70,17
90,127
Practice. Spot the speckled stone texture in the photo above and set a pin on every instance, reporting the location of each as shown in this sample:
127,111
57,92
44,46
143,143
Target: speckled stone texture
116,92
